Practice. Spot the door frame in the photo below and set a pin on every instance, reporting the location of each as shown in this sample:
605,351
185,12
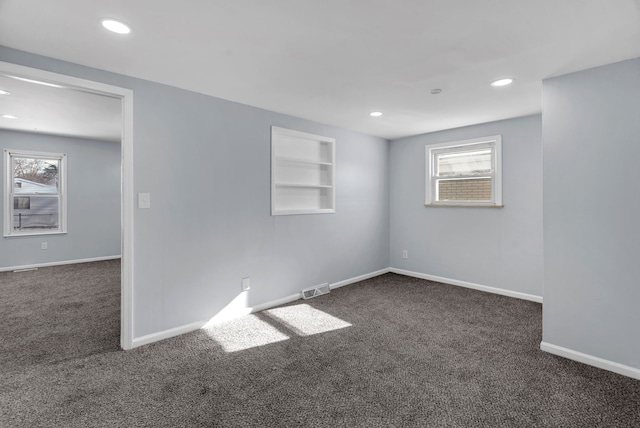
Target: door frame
126,176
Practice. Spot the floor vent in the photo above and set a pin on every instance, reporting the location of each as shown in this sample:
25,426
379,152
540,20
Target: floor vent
318,290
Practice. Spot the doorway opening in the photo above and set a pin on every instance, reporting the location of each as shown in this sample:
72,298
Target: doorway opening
125,99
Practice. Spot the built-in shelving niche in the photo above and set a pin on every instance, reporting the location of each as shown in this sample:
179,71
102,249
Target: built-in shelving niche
302,173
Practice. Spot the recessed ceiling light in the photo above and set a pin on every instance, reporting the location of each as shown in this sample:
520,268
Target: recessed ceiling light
115,26
375,114
502,82
9,116
436,91
37,82
3,92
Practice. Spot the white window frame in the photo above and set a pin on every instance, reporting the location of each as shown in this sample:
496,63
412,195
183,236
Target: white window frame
493,142
9,192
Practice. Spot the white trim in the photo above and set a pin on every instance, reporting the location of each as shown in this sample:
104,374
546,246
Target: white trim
188,328
166,334
359,278
60,263
7,68
126,310
127,205
292,133
277,302
598,362
494,290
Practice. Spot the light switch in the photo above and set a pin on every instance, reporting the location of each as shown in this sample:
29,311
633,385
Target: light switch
144,200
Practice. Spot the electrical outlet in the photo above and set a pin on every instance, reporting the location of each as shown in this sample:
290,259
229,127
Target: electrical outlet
43,245
246,284
405,254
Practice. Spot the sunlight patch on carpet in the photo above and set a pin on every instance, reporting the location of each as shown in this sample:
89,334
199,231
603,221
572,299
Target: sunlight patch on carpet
306,320
244,333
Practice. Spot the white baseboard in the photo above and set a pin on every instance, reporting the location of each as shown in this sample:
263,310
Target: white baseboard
165,334
226,316
359,278
65,262
494,290
601,363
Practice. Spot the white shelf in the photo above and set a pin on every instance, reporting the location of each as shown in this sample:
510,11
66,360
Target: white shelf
296,212
302,173
309,162
320,186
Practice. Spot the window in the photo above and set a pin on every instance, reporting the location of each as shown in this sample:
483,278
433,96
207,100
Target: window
465,173
34,190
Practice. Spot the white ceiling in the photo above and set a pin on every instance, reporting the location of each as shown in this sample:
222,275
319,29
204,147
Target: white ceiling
334,61
59,111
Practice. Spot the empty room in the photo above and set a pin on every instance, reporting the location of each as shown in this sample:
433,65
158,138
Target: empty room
320,214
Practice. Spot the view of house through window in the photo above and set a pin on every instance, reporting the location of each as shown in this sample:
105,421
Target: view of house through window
475,165
35,188
464,173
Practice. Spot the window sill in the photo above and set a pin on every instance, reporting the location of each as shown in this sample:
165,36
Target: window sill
17,235
465,205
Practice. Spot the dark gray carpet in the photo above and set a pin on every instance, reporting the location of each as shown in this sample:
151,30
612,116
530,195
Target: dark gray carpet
59,313
416,354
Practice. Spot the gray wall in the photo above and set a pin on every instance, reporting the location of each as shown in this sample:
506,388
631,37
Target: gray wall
93,202
496,247
206,163
591,140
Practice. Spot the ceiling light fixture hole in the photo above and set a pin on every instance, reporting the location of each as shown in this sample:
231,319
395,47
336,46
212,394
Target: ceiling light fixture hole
115,26
502,82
